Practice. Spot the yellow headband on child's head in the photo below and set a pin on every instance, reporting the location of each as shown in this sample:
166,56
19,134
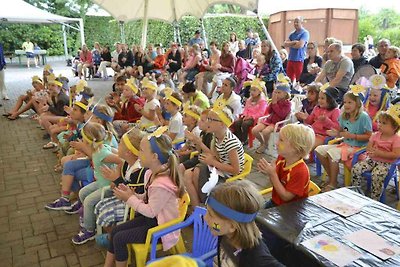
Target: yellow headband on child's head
129,145
51,79
47,68
37,79
81,105
219,105
394,112
80,86
132,84
168,95
187,111
259,84
87,139
149,85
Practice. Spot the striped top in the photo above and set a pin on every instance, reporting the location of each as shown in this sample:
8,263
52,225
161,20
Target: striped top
229,142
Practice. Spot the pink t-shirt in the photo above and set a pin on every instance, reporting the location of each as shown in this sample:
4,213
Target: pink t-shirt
372,112
385,145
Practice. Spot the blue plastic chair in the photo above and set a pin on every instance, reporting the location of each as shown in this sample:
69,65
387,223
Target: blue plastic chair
204,245
392,174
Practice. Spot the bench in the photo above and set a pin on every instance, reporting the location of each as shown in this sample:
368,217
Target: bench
42,53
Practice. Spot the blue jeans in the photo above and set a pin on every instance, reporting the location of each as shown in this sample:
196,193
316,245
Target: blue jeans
81,171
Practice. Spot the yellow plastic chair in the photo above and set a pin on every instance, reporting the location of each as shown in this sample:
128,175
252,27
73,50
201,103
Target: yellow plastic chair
248,161
346,170
313,189
193,154
142,250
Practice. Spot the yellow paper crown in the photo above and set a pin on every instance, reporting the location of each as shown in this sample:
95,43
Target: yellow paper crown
180,86
247,83
132,84
37,79
324,87
51,79
80,85
158,132
259,84
149,84
218,107
168,95
357,89
188,111
81,105
394,112
282,78
47,67
377,81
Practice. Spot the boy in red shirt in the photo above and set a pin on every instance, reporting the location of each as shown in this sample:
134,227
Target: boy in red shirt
289,176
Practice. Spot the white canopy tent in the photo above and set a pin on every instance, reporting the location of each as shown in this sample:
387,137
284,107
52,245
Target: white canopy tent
168,10
18,11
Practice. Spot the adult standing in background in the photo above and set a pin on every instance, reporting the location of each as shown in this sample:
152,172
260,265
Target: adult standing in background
28,46
3,89
297,44
377,60
196,39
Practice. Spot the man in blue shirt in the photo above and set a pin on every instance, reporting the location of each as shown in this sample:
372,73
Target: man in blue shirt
196,39
297,44
3,89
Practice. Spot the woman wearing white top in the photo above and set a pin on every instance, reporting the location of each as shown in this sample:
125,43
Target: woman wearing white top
233,43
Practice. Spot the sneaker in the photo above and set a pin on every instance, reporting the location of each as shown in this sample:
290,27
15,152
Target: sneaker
59,204
102,240
74,208
83,236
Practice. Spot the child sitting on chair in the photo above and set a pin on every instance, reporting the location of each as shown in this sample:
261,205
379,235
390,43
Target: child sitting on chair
378,99
355,128
382,150
391,67
289,175
309,103
148,117
231,211
277,110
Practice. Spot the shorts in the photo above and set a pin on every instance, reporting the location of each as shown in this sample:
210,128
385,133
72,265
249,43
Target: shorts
208,76
191,74
30,55
342,152
190,163
81,171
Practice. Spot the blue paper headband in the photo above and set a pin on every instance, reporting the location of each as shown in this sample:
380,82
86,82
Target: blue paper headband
230,213
156,149
85,96
102,116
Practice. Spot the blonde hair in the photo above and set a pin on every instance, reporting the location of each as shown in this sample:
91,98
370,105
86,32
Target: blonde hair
96,133
164,143
241,196
196,110
106,110
300,137
395,50
135,136
360,107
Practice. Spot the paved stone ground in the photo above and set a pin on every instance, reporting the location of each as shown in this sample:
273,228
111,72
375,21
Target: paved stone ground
29,234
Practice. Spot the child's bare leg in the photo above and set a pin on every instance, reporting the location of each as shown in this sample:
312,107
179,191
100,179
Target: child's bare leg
266,134
110,260
256,131
190,176
333,172
19,103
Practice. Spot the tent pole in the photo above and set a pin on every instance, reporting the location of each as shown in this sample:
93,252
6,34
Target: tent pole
260,21
145,22
82,30
175,33
65,42
203,29
122,31
178,33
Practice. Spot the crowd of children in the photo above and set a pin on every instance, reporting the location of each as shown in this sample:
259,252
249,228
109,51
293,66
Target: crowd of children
171,140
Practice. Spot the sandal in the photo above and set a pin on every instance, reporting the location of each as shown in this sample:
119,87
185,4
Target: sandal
50,145
261,149
328,188
58,168
11,118
7,114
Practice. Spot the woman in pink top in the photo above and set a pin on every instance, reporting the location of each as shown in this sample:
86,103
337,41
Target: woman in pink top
192,64
255,108
324,116
85,61
382,150
158,205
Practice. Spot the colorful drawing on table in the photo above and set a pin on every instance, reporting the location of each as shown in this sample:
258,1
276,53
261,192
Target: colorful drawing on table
373,243
332,250
336,205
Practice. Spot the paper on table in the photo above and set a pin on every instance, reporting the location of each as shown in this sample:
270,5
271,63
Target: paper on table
336,205
332,250
373,243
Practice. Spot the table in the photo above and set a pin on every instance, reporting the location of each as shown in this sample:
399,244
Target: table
286,226
41,52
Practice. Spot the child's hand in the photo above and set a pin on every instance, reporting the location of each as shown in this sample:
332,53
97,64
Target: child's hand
207,158
346,135
77,145
110,174
123,192
301,116
67,109
265,167
373,152
192,137
322,118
